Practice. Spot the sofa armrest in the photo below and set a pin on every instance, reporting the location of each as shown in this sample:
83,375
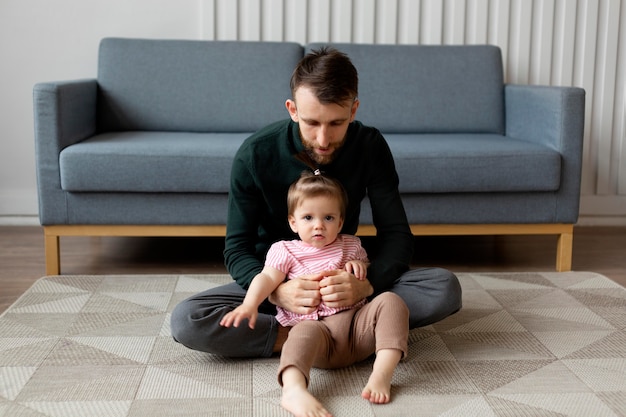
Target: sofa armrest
64,113
555,117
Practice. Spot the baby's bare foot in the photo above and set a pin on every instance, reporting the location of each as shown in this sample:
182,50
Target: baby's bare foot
301,403
378,389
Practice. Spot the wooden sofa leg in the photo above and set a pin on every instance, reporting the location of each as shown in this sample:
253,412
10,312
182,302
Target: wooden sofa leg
52,254
564,248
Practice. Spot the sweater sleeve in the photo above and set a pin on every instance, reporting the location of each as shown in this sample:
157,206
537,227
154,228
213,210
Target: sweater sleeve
240,251
394,240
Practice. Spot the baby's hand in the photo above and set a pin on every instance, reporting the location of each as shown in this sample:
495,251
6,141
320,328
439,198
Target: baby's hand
241,313
358,268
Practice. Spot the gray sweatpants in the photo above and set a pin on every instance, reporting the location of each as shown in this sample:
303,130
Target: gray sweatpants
430,294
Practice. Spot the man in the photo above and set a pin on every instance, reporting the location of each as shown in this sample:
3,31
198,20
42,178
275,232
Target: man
321,134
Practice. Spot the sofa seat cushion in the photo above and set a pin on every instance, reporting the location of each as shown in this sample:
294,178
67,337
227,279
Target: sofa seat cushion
197,162
150,162
449,163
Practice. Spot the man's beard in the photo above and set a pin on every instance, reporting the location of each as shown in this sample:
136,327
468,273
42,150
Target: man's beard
321,159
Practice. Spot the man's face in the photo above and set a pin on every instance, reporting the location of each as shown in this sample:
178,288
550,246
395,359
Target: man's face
323,127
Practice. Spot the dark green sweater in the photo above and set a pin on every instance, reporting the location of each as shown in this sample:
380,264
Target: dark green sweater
264,168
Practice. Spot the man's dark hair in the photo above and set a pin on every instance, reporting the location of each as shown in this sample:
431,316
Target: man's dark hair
329,73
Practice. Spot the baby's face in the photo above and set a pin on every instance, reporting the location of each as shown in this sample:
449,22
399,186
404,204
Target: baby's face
317,220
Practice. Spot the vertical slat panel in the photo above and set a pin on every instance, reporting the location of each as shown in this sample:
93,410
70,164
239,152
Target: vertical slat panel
620,123
586,30
364,21
387,21
319,21
541,42
341,20
432,22
520,41
296,21
272,20
564,42
226,19
605,89
249,20
454,22
408,22
206,11
499,28
477,21
621,138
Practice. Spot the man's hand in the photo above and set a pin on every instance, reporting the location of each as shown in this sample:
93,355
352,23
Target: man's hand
340,288
301,295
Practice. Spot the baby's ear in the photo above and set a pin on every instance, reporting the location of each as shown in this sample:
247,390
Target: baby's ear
292,224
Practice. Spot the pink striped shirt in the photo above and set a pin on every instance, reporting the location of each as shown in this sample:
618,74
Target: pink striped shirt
296,258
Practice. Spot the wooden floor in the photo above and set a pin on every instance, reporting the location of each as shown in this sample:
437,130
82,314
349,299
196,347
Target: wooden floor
597,249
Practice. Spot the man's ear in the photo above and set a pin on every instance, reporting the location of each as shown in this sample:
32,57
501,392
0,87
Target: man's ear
292,109
355,106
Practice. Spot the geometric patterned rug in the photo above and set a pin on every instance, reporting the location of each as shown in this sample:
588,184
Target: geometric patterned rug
524,344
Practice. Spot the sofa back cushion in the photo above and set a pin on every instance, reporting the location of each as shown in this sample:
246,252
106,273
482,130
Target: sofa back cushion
428,89
194,86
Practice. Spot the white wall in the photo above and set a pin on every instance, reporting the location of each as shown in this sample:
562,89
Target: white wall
43,40
556,42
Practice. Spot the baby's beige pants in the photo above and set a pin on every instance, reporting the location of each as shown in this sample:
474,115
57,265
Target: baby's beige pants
347,337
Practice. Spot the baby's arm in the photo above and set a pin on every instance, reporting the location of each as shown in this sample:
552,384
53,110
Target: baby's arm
358,268
261,287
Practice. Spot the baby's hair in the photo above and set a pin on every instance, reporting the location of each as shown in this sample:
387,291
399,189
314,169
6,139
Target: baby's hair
315,184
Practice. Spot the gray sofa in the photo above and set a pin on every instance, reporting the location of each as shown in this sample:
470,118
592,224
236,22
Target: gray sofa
145,148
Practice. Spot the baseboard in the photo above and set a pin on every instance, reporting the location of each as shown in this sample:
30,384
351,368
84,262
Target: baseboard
18,206
19,221
603,207
617,221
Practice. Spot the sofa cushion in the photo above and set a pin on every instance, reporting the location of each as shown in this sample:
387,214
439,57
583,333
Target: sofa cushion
429,89
197,86
201,162
449,163
150,162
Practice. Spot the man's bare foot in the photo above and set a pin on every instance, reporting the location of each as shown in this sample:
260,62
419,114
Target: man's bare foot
301,403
